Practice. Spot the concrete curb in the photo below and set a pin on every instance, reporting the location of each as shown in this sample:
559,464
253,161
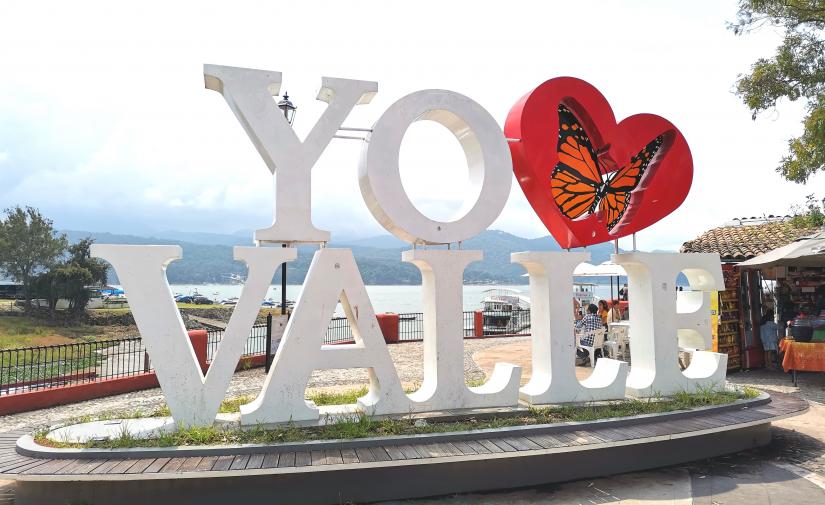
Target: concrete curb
26,445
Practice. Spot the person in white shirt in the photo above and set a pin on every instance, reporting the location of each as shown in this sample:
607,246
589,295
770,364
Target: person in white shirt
769,334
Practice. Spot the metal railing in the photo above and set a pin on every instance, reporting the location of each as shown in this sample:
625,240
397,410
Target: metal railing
255,344
338,331
31,368
410,326
506,323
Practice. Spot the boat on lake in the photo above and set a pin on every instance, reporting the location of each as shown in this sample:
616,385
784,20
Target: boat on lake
505,311
585,293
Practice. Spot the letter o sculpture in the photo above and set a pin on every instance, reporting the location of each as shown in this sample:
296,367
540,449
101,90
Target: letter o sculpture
488,161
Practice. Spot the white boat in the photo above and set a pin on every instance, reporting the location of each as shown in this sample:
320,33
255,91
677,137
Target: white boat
585,293
505,311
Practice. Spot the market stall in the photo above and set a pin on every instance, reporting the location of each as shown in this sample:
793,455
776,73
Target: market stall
749,293
798,271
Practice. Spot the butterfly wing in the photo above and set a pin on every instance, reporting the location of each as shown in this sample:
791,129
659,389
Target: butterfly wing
576,180
621,184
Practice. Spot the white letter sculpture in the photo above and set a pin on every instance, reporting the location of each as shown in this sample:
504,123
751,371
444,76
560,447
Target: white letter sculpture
192,398
488,161
660,320
333,275
444,387
249,94
654,322
551,324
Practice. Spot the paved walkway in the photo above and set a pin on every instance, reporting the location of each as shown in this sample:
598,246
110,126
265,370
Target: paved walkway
6,492
758,477
722,481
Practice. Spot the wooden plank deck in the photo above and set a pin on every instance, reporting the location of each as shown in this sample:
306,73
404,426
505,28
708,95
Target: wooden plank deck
485,445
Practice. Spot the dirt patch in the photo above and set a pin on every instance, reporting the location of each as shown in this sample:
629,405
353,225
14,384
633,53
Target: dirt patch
30,332
50,340
517,353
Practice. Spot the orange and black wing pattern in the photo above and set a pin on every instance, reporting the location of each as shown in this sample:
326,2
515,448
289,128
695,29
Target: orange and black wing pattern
620,185
576,180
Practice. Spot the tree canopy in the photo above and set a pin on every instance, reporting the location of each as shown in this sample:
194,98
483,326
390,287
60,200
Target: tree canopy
71,278
795,72
28,245
808,215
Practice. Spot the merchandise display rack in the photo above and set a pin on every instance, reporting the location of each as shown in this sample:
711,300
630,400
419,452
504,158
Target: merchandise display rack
728,325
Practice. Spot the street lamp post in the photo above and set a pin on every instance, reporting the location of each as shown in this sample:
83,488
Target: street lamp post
289,113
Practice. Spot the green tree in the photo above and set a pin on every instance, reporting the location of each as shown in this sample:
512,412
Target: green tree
62,282
28,245
808,215
71,279
795,72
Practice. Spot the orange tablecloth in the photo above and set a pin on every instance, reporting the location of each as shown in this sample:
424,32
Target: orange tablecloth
803,356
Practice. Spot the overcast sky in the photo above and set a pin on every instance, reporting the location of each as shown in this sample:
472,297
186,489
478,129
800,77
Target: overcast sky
105,124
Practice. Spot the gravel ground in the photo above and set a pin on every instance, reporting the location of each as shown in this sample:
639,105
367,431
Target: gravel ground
811,384
407,357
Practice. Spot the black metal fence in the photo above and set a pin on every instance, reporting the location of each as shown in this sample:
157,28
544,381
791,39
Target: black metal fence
410,326
32,368
338,331
505,323
255,344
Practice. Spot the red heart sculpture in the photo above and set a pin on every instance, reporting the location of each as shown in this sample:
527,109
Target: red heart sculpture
533,124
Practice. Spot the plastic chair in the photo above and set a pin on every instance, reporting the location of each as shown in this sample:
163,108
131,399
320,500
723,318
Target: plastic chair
617,341
598,342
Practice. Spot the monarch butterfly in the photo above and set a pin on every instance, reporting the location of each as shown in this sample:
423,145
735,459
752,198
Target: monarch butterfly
581,182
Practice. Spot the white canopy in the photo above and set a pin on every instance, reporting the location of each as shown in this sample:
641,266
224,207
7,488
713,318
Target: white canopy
804,252
585,270
610,269
606,269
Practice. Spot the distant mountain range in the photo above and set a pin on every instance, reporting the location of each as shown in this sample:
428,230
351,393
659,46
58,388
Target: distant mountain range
207,257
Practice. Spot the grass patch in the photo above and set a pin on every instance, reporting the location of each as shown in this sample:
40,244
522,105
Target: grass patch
338,397
362,426
125,309
232,405
200,305
30,332
110,310
25,354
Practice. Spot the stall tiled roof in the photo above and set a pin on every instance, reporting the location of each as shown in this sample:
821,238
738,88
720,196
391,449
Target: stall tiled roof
742,242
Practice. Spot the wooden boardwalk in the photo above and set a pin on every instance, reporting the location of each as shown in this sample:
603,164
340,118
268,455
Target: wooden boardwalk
472,449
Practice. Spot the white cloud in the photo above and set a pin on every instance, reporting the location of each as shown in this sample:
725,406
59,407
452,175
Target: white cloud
105,110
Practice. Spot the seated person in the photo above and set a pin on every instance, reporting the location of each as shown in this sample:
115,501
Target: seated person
588,324
604,311
615,314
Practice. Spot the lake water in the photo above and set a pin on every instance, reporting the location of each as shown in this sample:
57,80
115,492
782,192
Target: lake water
384,298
